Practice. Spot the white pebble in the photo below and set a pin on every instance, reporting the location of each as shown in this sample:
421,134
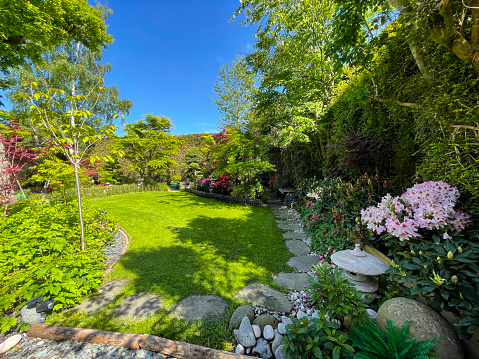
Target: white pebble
301,314
239,349
268,332
281,328
256,331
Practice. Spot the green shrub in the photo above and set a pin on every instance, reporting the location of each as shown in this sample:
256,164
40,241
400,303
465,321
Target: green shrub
445,272
315,338
396,343
334,295
105,191
40,254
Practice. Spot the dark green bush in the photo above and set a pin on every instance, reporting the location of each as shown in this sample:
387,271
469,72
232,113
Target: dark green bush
315,338
445,272
40,254
334,295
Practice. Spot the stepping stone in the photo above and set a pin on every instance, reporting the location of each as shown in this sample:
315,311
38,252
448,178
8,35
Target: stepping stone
138,305
303,263
285,221
295,235
197,307
292,281
287,216
297,247
293,226
105,296
263,296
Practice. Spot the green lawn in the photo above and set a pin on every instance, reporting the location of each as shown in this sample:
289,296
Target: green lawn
183,245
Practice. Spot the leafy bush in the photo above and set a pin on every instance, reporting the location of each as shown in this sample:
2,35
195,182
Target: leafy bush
396,343
445,272
334,295
422,230
40,254
222,186
333,209
315,338
205,185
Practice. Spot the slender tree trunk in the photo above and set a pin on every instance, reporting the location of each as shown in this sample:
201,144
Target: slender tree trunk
80,212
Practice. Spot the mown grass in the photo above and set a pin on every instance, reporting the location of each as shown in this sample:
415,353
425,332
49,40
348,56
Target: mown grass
183,245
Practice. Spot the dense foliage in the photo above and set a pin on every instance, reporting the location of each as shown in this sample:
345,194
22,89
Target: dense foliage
334,295
315,338
40,254
373,343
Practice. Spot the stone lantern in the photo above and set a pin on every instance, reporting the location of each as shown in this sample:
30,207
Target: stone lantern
360,268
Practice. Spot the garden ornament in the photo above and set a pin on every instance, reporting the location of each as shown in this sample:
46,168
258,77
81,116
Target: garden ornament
360,269
34,310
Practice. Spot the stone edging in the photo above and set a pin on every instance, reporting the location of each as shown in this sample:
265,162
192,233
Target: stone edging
228,199
127,237
131,341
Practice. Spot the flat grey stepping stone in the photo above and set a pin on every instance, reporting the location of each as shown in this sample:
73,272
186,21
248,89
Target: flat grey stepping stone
105,296
263,296
196,307
287,216
286,221
297,247
293,226
138,305
303,263
295,235
292,281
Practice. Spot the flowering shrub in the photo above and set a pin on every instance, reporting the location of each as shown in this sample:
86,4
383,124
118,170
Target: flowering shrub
205,185
222,186
333,210
423,232
429,205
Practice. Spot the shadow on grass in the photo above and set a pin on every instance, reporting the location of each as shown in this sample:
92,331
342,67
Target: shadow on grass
205,255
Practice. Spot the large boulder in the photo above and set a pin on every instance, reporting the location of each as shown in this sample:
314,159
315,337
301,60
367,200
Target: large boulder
426,324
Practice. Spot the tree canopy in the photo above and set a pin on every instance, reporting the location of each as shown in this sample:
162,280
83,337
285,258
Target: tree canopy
29,27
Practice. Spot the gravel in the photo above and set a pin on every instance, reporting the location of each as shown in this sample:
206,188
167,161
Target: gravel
50,349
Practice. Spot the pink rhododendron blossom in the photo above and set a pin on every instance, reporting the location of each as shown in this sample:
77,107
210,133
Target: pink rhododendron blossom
428,205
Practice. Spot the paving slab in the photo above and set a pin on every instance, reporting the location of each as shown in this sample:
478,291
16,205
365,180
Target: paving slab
105,296
141,304
197,307
292,281
297,247
286,221
287,216
303,263
263,296
292,226
295,235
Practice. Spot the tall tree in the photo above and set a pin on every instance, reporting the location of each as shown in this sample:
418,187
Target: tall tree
148,145
235,87
29,27
75,70
297,77
69,130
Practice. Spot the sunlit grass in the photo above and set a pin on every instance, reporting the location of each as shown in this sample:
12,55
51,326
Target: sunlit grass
184,245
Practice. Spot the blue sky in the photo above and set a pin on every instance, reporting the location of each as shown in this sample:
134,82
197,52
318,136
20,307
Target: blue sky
167,54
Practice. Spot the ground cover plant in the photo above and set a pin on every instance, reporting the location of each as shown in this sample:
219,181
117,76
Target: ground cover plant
184,245
40,254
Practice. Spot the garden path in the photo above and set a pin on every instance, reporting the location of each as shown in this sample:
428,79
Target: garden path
298,243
